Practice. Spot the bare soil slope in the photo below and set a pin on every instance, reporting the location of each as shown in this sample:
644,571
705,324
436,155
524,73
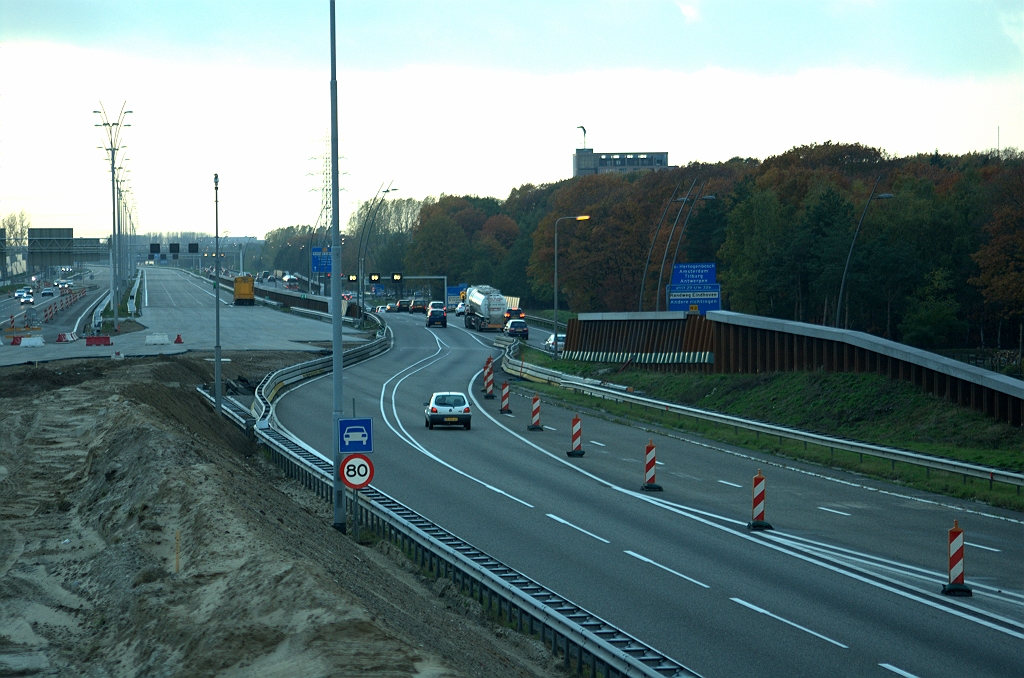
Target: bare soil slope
102,463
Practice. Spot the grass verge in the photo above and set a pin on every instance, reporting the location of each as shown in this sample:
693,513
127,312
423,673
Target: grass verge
864,407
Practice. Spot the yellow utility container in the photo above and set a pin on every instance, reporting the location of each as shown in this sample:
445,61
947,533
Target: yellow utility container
244,288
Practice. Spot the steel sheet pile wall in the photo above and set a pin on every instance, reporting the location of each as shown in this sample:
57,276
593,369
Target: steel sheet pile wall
753,344
658,339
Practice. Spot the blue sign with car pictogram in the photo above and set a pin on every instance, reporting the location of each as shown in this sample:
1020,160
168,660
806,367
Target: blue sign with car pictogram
356,435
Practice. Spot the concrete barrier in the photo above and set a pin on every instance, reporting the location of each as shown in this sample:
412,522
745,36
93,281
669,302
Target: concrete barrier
31,341
158,339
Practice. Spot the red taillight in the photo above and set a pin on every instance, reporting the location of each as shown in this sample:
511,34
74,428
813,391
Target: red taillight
465,411
434,410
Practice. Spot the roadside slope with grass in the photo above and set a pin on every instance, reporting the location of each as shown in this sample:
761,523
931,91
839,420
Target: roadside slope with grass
863,407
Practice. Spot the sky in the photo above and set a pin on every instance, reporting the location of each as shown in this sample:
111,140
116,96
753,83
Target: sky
468,97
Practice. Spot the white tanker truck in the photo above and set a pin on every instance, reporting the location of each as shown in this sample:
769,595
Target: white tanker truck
485,308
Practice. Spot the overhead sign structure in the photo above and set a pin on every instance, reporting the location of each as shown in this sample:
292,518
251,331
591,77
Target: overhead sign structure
694,274
695,298
356,435
321,259
356,471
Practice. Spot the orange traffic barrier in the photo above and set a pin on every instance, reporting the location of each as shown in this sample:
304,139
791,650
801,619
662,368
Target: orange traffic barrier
956,585
650,462
535,418
577,437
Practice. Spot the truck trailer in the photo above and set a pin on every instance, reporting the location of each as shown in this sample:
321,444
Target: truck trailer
485,308
244,295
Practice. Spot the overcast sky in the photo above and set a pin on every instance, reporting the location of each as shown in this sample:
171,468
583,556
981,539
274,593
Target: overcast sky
469,97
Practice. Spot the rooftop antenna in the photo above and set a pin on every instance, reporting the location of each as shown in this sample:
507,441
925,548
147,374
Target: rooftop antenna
584,135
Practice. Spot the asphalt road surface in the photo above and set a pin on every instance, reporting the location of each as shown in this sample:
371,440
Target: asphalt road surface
847,584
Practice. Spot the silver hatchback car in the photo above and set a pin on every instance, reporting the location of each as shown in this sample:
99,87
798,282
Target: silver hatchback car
449,408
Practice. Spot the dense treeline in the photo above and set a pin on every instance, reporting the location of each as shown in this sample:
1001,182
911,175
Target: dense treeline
940,263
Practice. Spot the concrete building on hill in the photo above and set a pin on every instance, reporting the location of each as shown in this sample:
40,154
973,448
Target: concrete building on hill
586,161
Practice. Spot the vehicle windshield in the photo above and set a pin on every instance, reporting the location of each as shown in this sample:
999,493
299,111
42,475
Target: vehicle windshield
449,401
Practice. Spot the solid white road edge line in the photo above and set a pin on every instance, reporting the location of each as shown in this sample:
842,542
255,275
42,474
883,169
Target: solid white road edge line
755,608
667,569
576,527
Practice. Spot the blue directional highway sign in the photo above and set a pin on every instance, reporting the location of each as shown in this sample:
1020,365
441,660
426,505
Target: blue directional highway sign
321,260
356,436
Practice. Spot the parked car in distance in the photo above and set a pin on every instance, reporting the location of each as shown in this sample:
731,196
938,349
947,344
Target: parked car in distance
550,343
448,408
418,306
517,328
437,316
403,305
461,308
515,313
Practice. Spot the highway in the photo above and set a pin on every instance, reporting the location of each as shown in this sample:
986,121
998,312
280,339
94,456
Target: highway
174,302
847,584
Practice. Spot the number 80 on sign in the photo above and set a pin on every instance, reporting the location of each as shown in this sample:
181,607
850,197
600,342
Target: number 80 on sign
356,471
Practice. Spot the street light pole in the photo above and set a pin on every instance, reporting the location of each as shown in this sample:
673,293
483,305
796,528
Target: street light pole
675,254
647,263
216,287
672,232
338,361
581,217
849,255
365,240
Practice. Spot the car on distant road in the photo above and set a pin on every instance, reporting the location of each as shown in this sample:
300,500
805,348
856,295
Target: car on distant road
437,304
19,293
549,344
47,292
461,308
28,299
437,316
391,308
517,328
514,313
403,305
448,408
418,306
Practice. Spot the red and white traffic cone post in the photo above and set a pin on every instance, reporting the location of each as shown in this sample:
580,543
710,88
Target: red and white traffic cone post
535,418
577,438
650,461
504,399
487,368
757,521
489,381
956,585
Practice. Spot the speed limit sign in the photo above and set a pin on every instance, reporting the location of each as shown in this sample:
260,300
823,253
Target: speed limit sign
356,471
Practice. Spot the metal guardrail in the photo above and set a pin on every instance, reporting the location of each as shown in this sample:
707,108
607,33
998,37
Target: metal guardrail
547,322
516,367
577,634
131,297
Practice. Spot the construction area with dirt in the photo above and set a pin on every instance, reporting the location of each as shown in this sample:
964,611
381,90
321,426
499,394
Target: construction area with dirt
143,535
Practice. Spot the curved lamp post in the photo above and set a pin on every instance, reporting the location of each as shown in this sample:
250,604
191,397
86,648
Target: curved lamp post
581,217
842,284
682,201
675,254
364,241
643,280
